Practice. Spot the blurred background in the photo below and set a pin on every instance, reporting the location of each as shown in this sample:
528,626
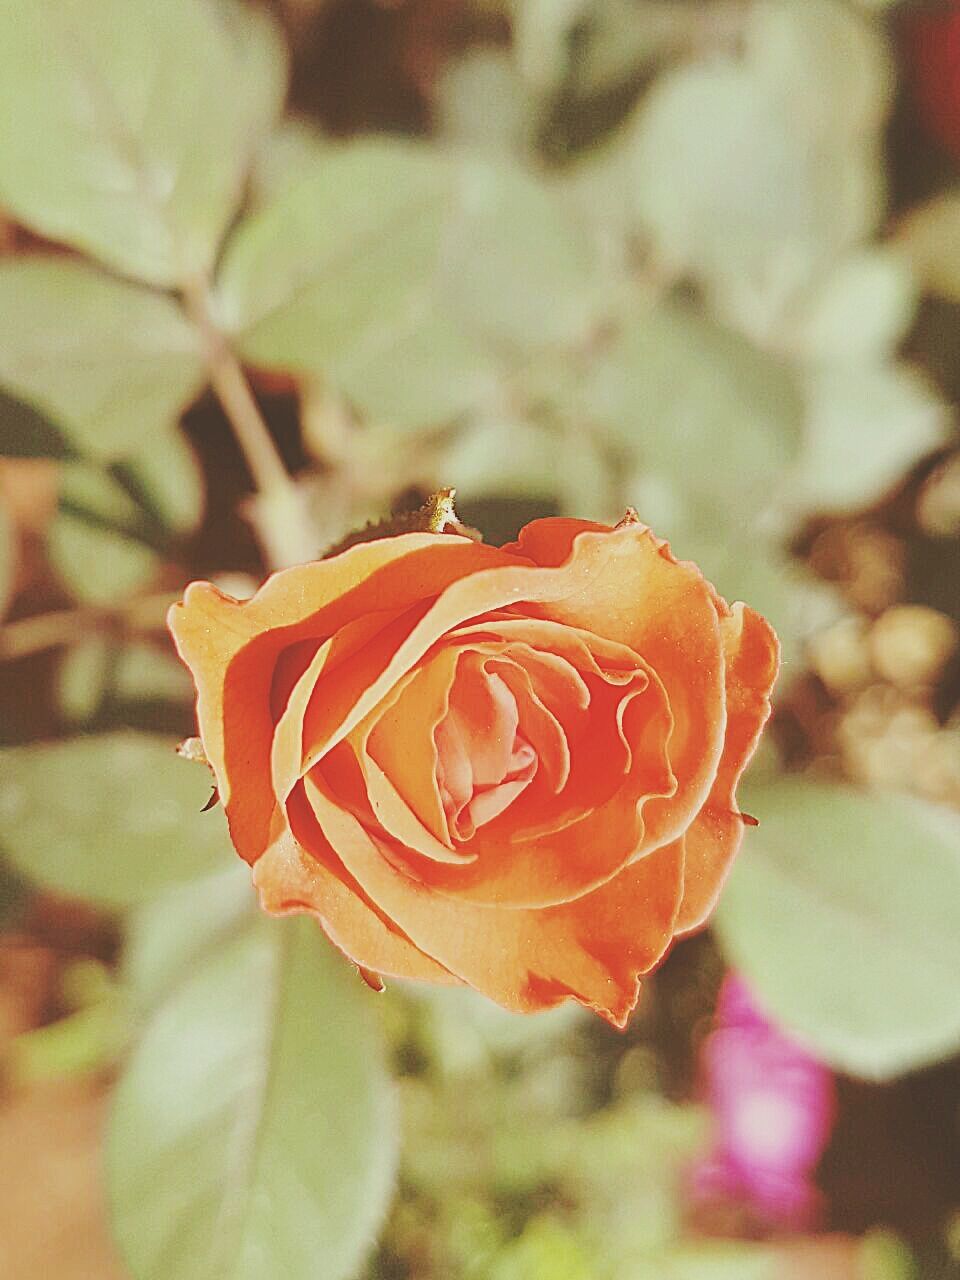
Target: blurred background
701,257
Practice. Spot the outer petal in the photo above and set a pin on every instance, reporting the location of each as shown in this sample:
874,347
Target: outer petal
291,880
593,949
753,656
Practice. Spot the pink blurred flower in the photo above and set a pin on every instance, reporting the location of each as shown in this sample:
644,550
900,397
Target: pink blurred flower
773,1107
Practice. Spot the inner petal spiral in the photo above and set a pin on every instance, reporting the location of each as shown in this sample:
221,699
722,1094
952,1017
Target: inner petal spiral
483,760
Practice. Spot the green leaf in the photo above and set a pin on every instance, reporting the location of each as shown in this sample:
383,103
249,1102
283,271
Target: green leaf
422,370
109,362
752,173
697,404
518,267
337,276
523,459
291,149
335,253
98,672
930,241
25,432
544,1249
166,479
861,310
145,671
98,541
166,937
8,557
253,1133
867,425
83,678
113,818
483,103
128,130
842,912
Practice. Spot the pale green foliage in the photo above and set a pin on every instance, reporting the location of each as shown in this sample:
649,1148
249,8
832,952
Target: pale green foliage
753,171
867,425
930,241
96,540
696,401
843,917
97,672
257,1085
110,362
128,128
113,817
8,556
311,257
484,103
517,265
111,524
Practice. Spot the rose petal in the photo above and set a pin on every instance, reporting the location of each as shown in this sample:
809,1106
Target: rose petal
753,658
291,880
232,648
593,949
663,609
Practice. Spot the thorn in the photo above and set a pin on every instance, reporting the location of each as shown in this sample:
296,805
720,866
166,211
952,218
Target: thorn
214,800
749,820
373,980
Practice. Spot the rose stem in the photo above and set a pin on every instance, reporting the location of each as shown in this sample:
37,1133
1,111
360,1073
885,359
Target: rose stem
279,513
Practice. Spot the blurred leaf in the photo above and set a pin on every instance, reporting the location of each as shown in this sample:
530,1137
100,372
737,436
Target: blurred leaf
169,934
595,45
129,129
97,540
110,362
423,370
25,432
930,240
253,1133
293,148
861,311
113,818
698,404
752,173
144,671
14,893
842,913
99,670
541,35
867,425
713,1260
544,1249
83,678
483,103
337,277
822,55
624,38
8,557
885,1257
166,479
301,277
517,265
494,456
88,1039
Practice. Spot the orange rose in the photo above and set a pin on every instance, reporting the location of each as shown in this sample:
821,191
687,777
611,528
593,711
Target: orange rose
508,767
